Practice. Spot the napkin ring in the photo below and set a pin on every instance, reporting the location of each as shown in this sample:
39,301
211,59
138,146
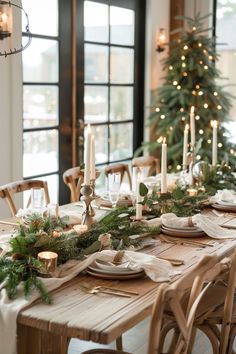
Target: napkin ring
190,221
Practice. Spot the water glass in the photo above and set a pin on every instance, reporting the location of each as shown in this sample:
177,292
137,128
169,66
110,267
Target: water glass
114,188
37,195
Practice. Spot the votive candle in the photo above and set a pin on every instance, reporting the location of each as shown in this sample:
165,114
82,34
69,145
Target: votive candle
49,261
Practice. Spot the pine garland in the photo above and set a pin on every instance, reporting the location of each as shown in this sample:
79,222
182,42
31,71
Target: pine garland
46,234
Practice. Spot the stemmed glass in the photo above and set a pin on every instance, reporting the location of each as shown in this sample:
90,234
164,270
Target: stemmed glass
114,188
37,195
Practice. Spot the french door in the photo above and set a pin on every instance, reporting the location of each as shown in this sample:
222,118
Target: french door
92,71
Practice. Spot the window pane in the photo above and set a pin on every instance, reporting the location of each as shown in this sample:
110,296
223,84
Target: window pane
40,152
96,104
40,61
121,141
101,148
95,22
43,16
121,103
122,25
122,65
96,63
226,20
40,106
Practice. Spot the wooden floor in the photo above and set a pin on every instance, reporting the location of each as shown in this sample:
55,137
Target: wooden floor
135,341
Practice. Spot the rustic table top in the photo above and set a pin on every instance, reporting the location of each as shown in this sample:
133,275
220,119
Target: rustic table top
101,317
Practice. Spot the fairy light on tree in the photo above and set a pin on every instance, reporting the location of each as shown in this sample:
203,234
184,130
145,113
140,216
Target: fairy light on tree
191,80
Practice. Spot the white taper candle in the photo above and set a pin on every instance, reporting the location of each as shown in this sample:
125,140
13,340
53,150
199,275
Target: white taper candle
164,167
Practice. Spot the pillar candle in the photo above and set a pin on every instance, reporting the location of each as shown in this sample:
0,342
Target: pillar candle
87,157
185,147
92,162
214,142
139,207
164,167
192,126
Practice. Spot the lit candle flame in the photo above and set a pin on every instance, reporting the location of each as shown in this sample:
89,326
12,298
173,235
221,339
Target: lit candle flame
192,109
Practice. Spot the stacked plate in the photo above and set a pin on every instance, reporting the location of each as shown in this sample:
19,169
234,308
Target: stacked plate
106,270
225,206
188,231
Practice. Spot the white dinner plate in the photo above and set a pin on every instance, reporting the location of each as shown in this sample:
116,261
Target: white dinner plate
181,233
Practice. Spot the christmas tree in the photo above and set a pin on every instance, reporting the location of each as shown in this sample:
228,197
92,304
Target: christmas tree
192,79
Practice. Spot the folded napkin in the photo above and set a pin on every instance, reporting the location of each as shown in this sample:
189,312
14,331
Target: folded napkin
158,270
211,228
224,195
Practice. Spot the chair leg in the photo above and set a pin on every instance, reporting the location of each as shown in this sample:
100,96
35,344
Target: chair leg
119,343
211,335
231,340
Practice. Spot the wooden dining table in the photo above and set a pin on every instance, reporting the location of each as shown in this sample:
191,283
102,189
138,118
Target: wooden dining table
101,318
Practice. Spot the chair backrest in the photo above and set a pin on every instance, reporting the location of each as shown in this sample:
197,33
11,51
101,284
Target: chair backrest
121,168
149,162
74,178
171,298
8,190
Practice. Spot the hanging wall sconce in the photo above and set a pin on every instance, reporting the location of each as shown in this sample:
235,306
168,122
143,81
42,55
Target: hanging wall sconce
6,29
161,40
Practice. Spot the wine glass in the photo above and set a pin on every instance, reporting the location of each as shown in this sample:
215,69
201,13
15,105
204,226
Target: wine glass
37,195
114,188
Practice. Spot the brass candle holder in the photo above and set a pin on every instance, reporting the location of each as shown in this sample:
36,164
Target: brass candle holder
88,212
93,185
49,262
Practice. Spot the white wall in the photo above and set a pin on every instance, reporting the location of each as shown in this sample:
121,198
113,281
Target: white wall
157,16
11,115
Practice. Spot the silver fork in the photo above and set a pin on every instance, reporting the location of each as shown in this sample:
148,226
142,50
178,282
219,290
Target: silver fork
96,290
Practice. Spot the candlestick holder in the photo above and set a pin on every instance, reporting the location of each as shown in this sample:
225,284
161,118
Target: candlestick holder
164,202
93,185
88,212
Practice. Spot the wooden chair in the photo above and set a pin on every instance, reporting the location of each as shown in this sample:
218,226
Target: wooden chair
8,190
218,307
121,168
74,178
149,162
171,300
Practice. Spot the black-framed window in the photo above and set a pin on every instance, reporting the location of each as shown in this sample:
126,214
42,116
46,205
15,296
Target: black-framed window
54,137
224,20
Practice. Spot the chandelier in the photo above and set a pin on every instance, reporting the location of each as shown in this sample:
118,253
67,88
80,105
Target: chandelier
6,27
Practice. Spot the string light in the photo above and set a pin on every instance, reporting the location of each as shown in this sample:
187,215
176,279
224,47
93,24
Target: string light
232,151
157,109
215,93
159,140
200,93
183,118
205,105
170,67
183,65
198,157
210,57
204,51
219,107
197,117
220,145
178,167
171,128
185,47
200,62
175,83
185,74
200,44
183,57
178,87
194,28
163,116
194,92
197,87
181,109
205,67
209,141
201,131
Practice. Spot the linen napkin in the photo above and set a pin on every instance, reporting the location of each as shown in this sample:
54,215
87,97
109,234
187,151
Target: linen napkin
224,195
157,269
211,228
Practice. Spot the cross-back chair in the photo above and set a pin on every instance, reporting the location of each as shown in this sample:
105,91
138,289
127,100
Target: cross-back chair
121,168
151,163
74,178
8,190
172,302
